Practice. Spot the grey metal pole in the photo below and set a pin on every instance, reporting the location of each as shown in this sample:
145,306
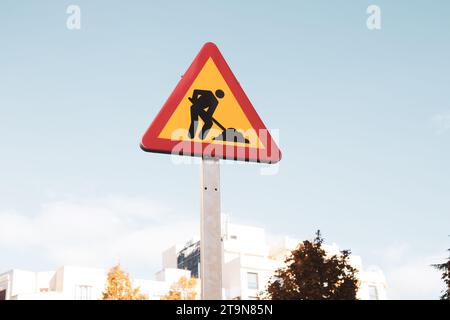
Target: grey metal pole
210,231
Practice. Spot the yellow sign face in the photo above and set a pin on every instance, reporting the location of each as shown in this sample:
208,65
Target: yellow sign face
227,113
209,115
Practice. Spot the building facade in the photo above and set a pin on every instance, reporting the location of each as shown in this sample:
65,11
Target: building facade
248,264
77,283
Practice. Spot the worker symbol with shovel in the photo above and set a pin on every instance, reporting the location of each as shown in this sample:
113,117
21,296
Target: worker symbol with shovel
204,103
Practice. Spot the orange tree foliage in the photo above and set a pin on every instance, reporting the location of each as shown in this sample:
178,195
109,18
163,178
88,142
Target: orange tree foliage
310,274
183,289
118,286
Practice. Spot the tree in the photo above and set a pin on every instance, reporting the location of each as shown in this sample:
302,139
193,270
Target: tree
118,286
310,275
445,268
183,289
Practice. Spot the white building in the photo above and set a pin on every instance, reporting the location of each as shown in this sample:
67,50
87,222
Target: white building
76,283
248,263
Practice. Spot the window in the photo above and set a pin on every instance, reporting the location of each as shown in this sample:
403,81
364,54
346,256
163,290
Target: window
233,237
373,293
189,259
2,294
253,298
252,280
83,292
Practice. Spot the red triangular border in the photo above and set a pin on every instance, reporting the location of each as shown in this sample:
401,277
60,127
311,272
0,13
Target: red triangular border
151,143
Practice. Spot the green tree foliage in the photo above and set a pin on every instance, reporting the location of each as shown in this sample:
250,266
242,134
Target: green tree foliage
445,269
310,274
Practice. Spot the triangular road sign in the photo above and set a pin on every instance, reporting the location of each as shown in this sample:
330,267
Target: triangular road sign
209,115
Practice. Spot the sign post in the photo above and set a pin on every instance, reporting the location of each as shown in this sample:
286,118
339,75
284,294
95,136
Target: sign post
210,231
209,115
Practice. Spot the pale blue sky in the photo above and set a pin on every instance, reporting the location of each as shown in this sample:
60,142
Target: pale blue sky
363,118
